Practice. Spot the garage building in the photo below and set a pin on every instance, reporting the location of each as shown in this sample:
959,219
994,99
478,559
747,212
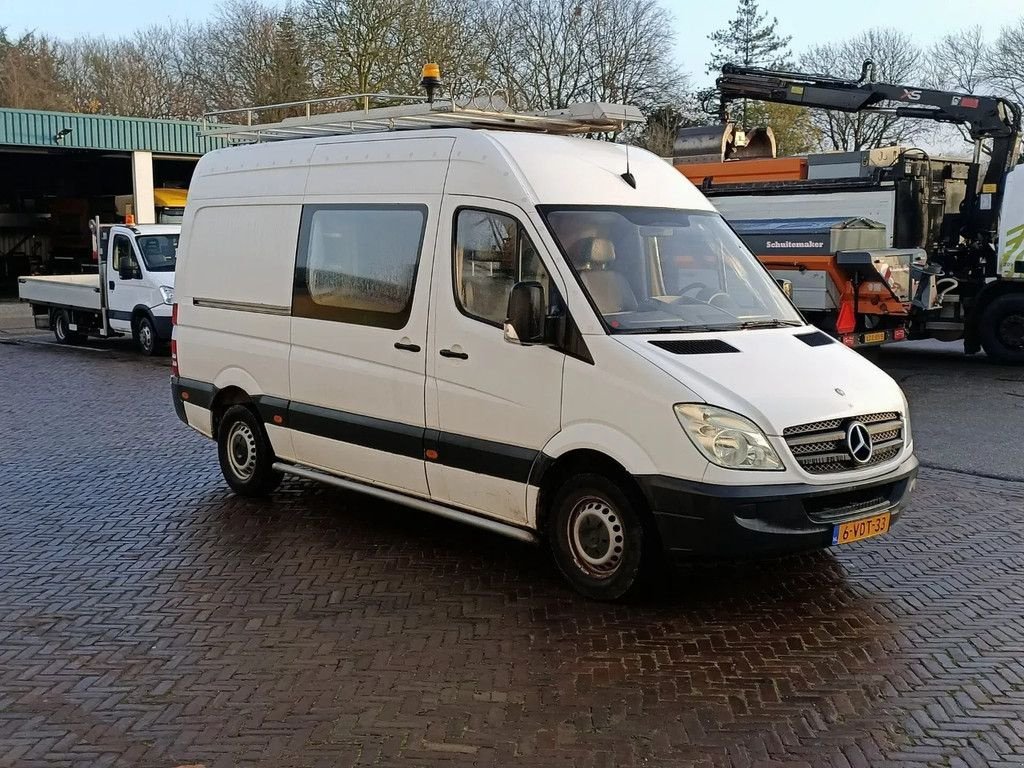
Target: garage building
58,170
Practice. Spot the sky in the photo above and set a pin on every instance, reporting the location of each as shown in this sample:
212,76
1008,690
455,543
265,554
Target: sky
810,22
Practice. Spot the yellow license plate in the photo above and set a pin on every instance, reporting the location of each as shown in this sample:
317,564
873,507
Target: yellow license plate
846,533
874,338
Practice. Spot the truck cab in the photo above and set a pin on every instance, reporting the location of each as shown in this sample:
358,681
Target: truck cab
139,280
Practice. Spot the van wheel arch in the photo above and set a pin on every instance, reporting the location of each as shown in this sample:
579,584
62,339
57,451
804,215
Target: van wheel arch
224,399
577,462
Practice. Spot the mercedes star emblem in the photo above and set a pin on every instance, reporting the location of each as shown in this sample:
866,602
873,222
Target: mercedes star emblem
858,442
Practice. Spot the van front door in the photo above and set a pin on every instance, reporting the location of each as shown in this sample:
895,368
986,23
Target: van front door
125,282
491,405
358,341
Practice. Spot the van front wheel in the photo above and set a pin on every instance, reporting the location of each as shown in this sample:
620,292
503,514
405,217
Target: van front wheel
246,456
598,539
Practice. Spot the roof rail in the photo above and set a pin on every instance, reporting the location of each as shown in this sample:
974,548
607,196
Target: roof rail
414,112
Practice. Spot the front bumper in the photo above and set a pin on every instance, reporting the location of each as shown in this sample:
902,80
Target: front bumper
703,519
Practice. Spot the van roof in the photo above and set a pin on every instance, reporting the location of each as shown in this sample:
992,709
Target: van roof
528,168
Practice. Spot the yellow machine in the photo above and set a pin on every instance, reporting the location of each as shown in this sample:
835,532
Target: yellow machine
169,203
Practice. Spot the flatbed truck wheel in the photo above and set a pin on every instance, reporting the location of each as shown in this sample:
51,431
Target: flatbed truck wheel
62,328
145,336
1002,329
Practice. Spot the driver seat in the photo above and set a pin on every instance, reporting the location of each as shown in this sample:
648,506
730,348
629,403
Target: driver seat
609,289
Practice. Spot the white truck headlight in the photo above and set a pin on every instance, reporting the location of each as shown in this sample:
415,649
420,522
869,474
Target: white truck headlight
726,438
168,294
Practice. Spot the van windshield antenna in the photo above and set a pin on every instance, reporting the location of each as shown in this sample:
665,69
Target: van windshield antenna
627,177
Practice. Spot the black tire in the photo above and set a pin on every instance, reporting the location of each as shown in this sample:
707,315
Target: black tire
246,457
62,328
600,538
1002,329
145,336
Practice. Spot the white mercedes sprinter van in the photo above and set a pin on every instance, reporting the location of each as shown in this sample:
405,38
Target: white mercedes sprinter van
533,333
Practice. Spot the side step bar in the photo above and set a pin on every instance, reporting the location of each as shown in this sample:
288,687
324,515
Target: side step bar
486,523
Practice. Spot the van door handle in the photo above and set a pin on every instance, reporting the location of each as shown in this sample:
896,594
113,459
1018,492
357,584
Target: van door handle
111,284
453,353
407,346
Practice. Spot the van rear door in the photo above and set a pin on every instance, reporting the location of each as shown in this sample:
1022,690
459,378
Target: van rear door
491,405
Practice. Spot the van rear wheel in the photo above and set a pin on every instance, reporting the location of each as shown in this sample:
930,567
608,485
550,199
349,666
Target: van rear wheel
598,538
246,456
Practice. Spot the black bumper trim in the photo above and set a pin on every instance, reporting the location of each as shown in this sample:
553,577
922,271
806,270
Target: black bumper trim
197,393
700,518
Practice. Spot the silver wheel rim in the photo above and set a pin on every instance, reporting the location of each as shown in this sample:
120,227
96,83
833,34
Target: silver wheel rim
145,336
241,451
62,327
596,537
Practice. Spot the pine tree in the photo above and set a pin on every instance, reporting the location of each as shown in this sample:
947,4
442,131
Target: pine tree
289,75
751,40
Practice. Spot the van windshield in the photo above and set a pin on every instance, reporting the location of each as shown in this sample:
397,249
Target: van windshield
158,251
656,270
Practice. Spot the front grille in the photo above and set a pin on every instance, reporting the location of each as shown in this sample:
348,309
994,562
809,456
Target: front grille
820,447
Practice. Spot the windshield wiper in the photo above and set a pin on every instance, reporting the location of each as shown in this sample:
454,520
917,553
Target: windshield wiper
746,324
706,328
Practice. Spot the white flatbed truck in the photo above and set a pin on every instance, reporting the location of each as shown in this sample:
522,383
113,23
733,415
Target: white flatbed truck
133,293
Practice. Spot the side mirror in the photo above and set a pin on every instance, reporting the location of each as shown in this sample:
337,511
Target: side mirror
526,314
786,286
128,271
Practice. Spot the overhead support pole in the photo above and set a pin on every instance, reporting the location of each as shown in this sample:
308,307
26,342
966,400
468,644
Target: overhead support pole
142,188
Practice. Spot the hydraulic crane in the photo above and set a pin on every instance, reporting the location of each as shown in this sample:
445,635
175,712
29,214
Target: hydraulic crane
963,212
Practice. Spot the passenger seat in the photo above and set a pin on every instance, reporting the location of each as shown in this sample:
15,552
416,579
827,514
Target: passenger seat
609,289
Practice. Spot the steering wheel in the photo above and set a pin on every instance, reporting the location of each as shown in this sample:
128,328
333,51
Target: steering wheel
705,293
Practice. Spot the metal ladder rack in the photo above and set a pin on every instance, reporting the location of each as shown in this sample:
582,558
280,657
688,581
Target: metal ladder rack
416,113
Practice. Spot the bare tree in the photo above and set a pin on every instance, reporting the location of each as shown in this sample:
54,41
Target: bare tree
957,61
30,73
1005,66
239,54
548,53
362,46
897,60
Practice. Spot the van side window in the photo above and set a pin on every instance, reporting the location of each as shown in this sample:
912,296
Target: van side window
122,252
357,263
492,253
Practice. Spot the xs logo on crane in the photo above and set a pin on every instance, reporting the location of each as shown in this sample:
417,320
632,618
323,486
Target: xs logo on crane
910,95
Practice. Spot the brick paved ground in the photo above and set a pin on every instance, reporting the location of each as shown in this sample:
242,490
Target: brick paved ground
149,618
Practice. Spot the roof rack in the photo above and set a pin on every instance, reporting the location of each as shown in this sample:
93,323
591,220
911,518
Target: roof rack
415,112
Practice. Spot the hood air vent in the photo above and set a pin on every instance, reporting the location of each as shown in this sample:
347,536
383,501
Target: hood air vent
815,339
695,346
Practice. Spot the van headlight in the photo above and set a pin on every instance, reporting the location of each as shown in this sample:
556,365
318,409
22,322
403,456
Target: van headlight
726,438
168,294
908,437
